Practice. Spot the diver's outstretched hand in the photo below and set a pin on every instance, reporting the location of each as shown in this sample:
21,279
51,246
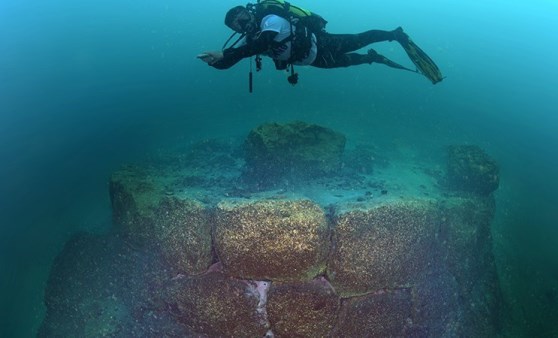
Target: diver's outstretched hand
210,57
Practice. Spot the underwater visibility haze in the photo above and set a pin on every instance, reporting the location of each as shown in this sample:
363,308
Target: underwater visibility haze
89,87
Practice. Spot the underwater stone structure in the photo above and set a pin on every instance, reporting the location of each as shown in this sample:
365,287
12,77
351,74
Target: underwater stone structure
471,169
291,151
289,236
178,226
197,251
383,246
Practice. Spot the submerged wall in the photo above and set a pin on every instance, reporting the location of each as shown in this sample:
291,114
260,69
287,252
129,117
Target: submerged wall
202,249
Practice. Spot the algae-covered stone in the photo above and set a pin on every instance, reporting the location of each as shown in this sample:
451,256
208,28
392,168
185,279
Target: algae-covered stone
271,239
383,246
362,159
101,287
467,252
303,309
401,264
294,150
470,169
466,237
215,305
176,225
183,234
437,303
135,194
382,314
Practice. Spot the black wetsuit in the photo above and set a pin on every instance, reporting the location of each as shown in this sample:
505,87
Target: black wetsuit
334,50
232,55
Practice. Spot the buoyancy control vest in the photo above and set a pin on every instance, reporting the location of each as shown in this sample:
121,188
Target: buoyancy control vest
306,22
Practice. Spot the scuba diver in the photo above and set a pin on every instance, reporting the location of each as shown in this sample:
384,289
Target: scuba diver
294,36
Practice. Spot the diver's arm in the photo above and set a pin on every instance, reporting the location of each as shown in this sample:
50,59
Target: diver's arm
231,56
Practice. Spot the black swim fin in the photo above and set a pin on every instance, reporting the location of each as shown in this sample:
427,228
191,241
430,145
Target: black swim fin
379,58
422,61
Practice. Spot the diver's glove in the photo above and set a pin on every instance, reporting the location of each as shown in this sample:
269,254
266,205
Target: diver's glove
211,57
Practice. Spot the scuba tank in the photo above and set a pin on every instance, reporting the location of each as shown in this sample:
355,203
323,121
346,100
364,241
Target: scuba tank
314,22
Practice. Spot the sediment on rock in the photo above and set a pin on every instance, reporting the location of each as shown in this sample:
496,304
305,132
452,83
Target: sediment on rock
204,246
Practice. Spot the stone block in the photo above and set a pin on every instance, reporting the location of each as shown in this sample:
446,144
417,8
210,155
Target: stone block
303,309
101,286
292,151
178,226
214,305
470,169
279,240
183,234
380,314
135,194
466,241
383,246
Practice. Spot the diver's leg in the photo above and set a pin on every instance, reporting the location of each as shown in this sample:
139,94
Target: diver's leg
329,60
334,49
345,43
400,36
340,60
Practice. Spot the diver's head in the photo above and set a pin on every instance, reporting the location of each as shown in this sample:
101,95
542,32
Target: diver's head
240,20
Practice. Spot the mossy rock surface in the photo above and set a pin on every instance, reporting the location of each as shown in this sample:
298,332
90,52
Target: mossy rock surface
214,305
383,246
134,194
302,309
294,151
388,314
470,169
177,225
103,286
283,240
467,254
183,234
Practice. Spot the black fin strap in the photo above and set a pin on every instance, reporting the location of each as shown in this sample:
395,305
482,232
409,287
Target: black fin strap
393,64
